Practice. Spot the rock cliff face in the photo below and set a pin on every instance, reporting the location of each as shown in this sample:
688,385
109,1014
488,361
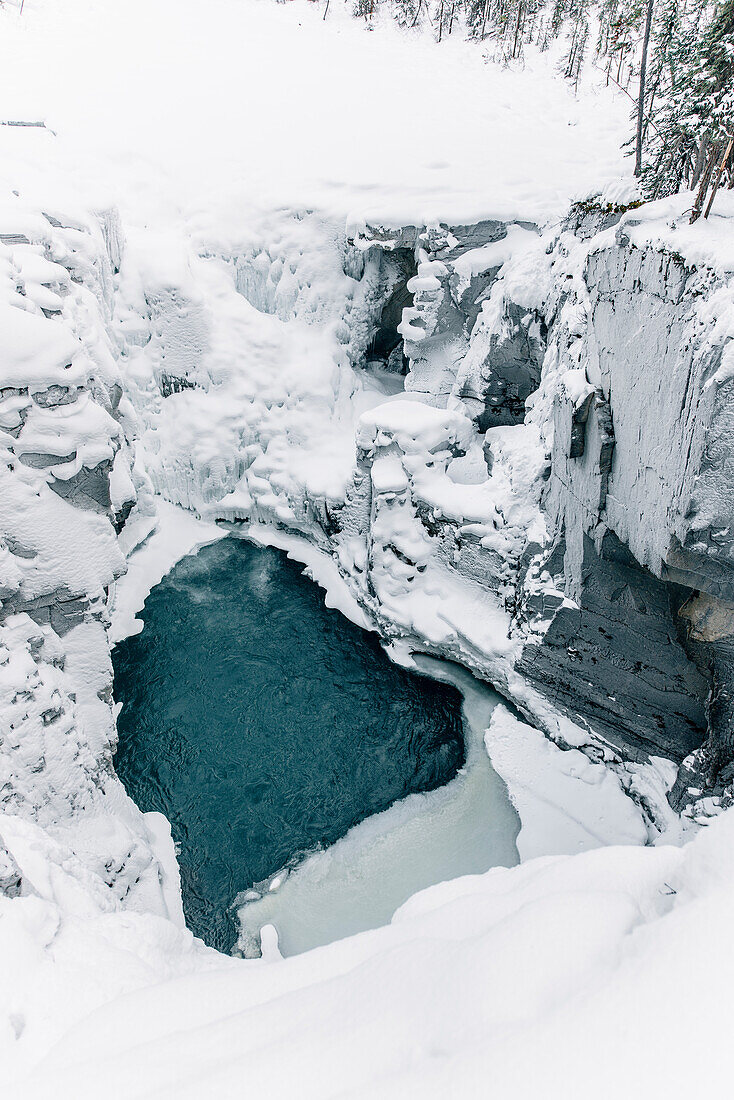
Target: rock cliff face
617,342
639,500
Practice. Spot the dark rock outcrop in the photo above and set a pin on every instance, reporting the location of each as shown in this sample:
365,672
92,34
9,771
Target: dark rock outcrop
615,659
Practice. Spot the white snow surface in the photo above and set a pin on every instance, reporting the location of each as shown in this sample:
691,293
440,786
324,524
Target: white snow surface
563,973
565,802
198,107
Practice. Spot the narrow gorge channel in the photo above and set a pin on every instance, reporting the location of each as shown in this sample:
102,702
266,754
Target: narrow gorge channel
265,726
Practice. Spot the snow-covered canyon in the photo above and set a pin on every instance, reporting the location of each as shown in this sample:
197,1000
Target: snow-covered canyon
493,419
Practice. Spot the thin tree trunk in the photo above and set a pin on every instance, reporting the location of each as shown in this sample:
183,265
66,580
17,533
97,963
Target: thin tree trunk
719,174
641,95
699,165
705,178
517,30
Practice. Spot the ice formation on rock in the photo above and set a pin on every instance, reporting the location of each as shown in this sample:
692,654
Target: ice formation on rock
66,486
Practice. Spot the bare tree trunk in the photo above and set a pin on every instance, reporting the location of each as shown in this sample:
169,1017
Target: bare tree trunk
700,161
517,29
719,174
705,178
641,95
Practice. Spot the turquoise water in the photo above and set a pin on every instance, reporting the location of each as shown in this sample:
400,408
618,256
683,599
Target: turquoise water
264,725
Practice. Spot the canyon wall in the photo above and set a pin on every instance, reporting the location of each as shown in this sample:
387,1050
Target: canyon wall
66,489
618,588
513,445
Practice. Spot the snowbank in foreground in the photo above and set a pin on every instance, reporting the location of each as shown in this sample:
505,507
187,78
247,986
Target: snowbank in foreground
563,973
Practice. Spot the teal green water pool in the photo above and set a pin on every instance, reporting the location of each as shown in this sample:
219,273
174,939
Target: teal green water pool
264,724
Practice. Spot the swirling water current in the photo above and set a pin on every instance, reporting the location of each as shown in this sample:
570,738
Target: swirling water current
264,724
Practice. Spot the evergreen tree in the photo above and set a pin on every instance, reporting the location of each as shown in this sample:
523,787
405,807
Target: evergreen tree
692,113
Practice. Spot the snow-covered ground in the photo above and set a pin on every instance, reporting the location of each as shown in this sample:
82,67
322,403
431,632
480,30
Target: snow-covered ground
183,109
605,973
246,145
